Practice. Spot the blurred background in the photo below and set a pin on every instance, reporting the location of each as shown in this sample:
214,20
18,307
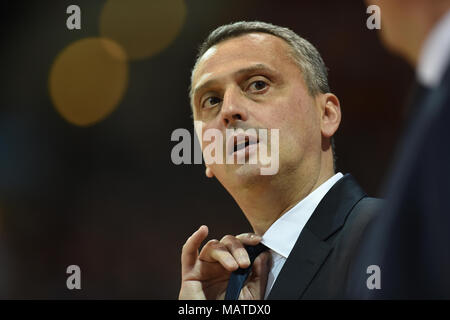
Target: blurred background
86,118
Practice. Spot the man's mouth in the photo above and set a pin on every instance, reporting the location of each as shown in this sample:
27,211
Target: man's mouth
244,144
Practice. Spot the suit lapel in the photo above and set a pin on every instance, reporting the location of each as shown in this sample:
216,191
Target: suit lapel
311,248
301,266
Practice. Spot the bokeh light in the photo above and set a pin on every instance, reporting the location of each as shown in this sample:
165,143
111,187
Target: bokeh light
143,28
88,80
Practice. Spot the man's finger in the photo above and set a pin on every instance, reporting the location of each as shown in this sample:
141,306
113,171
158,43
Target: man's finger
237,249
250,239
215,251
189,253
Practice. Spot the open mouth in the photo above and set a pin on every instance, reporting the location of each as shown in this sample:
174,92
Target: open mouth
242,145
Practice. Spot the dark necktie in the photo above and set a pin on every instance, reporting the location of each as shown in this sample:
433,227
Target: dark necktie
238,277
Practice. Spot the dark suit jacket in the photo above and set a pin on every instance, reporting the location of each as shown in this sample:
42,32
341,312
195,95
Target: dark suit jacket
410,240
317,267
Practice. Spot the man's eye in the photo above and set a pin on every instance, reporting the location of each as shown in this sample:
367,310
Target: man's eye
211,102
258,85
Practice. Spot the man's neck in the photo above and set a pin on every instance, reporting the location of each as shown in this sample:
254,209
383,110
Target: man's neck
264,203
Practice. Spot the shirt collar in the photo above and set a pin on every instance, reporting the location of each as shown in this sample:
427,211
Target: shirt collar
435,54
283,233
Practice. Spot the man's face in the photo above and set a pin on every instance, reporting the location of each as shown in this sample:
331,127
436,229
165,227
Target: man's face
252,82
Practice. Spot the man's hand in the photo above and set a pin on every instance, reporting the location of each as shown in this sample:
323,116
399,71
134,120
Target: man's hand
206,275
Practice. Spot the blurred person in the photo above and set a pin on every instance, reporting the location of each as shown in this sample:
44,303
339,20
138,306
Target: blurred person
410,240
257,75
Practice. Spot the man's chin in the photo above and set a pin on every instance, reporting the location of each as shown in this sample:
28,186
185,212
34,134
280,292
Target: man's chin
247,174
247,170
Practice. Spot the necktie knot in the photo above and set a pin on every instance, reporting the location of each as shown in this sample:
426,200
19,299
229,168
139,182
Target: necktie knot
238,277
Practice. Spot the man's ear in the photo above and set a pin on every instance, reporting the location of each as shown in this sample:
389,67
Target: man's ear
209,172
330,114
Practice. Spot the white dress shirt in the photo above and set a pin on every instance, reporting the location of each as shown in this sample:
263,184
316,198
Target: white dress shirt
435,54
280,238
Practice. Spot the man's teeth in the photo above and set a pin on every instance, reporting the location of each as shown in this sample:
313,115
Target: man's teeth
243,145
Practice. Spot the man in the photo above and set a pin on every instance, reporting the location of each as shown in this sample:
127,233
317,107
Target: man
254,75
410,241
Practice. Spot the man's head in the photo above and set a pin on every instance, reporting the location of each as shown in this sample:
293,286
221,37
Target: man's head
257,75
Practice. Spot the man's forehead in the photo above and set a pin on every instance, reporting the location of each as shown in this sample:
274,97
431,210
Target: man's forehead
262,47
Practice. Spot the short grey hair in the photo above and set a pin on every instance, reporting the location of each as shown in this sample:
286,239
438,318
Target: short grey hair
302,51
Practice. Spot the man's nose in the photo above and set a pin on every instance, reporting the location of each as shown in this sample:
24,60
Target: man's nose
233,107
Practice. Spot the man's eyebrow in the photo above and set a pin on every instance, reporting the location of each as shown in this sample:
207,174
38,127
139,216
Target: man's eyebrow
259,67
255,68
